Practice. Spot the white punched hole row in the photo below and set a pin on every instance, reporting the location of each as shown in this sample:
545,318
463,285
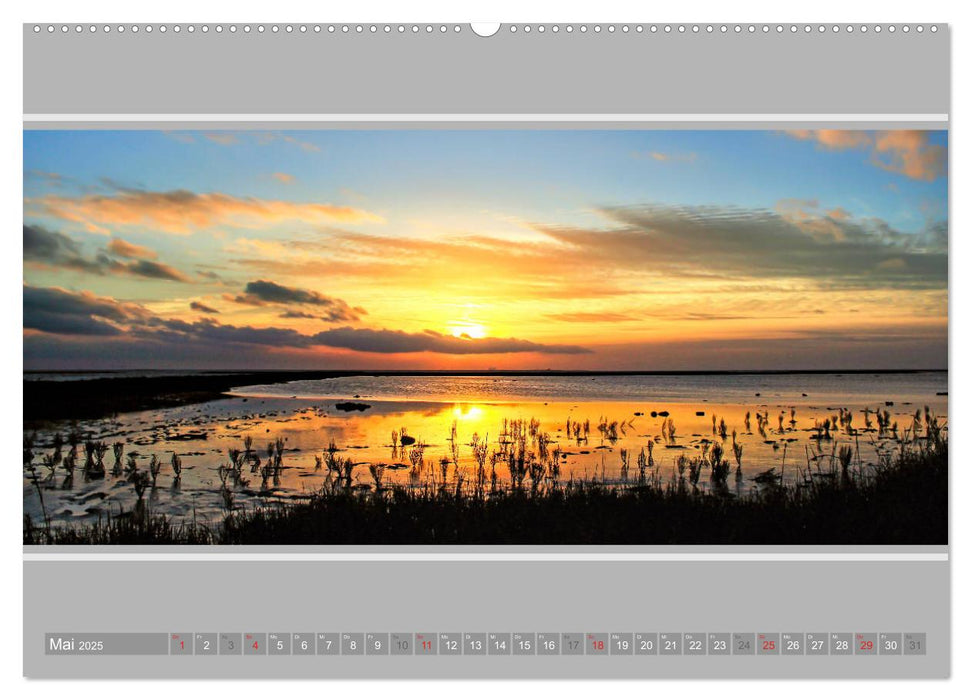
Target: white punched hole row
486,31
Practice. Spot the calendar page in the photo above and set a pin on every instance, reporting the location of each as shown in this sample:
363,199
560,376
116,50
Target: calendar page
545,350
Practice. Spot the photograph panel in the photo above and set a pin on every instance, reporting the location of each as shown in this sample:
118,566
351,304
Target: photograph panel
468,337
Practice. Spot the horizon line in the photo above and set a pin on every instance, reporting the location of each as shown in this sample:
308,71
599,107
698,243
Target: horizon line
492,371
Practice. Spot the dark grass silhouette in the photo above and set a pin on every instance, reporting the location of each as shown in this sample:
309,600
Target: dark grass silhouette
903,500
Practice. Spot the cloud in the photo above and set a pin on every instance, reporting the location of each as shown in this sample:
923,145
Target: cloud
662,157
906,152
327,317
59,311
262,292
638,250
358,339
46,175
387,341
460,263
285,178
208,332
267,137
223,139
734,242
836,139
151,270
55,250
63,328
910,153
265,290
299,314
265,248
56,310
199,306
262,138
180,136
124,249
705,316
51,180
183,212
593,317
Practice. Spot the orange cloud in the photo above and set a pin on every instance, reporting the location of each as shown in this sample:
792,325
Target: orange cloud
125,249
267,137
836,139
661,157
182,211
285,178
643,250
180,136
905,152
910,153
222,139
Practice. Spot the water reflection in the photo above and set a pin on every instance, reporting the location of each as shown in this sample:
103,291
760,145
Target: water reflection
278,447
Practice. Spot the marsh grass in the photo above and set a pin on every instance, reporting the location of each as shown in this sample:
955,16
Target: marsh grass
900,500
138,526
522,469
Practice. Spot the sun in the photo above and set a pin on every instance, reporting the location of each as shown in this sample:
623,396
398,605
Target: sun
467,329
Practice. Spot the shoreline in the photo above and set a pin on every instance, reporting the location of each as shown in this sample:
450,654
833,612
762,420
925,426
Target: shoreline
50,400
103,396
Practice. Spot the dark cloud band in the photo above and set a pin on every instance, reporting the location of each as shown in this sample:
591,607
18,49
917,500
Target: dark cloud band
58,311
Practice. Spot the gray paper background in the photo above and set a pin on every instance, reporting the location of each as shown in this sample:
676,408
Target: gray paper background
508,73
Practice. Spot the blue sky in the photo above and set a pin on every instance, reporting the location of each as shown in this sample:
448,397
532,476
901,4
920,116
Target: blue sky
527,173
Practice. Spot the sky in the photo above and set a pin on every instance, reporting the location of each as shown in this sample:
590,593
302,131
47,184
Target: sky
478,249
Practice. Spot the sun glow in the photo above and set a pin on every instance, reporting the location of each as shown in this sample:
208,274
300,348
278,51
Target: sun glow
465,329
467,412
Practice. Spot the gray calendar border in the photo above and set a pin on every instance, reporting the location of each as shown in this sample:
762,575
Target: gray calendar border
505,74
358,597
536,73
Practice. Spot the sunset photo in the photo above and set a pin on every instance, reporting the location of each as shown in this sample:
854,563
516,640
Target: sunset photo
485,336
